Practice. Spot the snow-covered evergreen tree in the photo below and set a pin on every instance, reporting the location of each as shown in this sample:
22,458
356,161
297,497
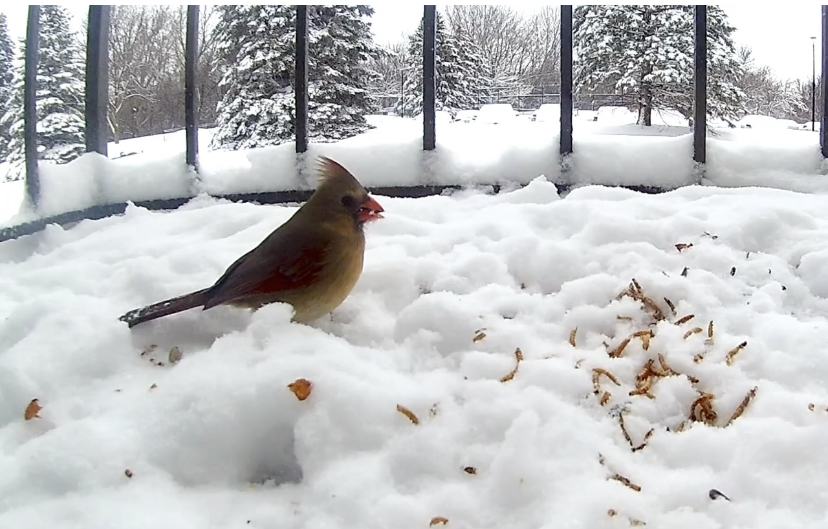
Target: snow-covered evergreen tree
258,46
59,100
470,79
459,71
6,84
648,50
256,42
340,49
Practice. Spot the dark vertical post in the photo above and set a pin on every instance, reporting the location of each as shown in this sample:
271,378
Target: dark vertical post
301,89
700,80
429,77
97,79
190,88
566,80
29,105
823,140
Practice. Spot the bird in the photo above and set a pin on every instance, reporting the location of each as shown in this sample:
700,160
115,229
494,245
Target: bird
311,262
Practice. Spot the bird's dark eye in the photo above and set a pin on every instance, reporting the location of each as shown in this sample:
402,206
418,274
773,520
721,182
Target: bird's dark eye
348,201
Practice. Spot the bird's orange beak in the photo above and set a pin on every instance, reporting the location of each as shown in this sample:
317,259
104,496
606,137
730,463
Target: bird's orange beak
369,210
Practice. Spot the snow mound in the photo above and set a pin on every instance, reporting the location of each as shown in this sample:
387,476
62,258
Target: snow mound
488,318
610,152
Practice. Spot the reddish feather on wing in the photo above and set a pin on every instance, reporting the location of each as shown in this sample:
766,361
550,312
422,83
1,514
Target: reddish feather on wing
259,273
302,270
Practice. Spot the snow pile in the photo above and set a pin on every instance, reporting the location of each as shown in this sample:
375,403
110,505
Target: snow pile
94,179
780,158
452,287
389,155
600,159
612,115
392,155
467,154
548,112
753,121
11,196
498,113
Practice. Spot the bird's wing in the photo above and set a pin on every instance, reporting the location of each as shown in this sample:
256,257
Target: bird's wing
278,264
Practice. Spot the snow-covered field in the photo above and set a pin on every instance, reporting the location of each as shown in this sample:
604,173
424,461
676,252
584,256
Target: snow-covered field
453,287
609,151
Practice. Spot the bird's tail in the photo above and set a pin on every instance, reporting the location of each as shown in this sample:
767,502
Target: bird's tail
165,308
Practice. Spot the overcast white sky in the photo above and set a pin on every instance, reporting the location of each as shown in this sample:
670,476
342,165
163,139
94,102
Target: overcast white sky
780,34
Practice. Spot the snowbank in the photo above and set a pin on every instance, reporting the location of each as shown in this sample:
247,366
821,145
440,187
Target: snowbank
11,197
753,121
658,161
785,159
390,155
610,151
452,287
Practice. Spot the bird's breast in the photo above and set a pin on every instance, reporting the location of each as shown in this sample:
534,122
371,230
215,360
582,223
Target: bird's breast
340,275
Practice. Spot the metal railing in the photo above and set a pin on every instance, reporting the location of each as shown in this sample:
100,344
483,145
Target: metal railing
97,94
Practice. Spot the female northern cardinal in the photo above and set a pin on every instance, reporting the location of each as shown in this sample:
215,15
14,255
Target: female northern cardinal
312,261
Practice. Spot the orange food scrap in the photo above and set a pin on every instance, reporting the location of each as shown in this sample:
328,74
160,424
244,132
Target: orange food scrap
32,410
302,388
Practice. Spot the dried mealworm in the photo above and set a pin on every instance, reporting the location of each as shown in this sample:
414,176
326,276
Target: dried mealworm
513,372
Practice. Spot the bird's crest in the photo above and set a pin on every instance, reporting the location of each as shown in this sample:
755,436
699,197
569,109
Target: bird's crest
331,171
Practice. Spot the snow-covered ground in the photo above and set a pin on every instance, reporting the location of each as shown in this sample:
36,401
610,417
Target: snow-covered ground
453,288
609,150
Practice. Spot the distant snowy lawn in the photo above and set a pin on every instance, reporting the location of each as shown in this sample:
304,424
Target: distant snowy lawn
452,287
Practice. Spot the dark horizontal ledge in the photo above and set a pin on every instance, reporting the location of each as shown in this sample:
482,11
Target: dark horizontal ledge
270,197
